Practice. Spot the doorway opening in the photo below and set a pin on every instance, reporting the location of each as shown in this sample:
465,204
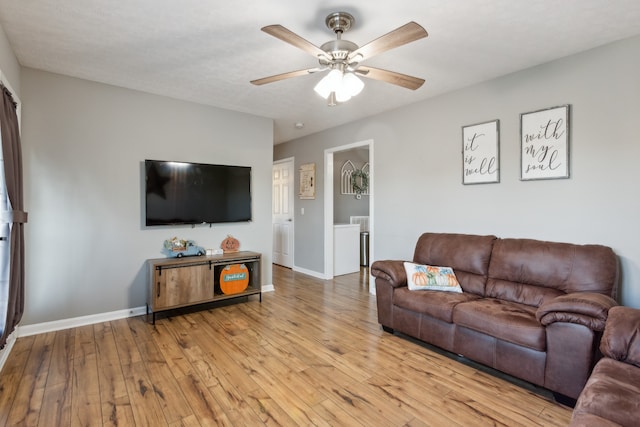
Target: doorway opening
329,197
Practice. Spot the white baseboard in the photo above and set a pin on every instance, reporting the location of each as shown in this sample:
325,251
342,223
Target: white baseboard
58,325
268,288
311,273
4,353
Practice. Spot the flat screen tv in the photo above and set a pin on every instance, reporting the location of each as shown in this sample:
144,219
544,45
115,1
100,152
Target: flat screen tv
196,193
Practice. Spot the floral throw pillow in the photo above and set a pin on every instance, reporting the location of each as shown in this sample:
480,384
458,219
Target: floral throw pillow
427,277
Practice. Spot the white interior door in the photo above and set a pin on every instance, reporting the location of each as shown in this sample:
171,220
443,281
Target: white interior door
282,213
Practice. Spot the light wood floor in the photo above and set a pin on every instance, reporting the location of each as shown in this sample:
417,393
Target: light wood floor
312,353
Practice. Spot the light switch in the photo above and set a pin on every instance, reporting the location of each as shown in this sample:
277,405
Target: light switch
301,211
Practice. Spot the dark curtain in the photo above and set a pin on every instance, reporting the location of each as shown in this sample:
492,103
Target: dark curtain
12,153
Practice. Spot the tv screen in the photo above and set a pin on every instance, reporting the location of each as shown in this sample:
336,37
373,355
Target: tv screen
196,193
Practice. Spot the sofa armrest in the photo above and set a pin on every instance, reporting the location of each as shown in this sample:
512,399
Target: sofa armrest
621,337
583,308
391,271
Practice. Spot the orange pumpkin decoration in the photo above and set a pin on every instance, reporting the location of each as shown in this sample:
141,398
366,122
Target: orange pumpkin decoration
420,278
451,280
432,269
230,244
234,278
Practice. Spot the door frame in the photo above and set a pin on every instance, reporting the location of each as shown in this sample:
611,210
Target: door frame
293,207
328,205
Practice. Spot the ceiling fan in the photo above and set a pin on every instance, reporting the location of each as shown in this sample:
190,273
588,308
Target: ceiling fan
342,58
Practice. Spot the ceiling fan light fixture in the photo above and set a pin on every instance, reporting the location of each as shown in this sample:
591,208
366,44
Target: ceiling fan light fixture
329,83
342,85
352,84
342,95
331,101
342,58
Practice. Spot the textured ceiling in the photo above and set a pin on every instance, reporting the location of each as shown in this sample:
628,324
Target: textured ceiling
208,51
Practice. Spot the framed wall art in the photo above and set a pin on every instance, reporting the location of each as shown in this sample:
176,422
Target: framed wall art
544,144
480,153
308,181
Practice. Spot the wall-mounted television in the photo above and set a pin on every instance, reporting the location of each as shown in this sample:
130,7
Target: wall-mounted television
196,193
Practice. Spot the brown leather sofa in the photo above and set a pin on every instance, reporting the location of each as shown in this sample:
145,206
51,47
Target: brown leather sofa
612,394
532,309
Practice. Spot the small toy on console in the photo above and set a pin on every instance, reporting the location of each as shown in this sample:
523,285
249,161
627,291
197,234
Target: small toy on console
178,248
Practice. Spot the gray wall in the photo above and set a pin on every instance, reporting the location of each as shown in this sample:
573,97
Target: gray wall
346,205
83,145
418,164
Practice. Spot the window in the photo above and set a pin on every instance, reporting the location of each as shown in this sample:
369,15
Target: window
11,250
4,246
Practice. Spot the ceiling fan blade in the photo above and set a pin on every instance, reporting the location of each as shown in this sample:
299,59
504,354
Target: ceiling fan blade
283,76
400,36
280,32
392,77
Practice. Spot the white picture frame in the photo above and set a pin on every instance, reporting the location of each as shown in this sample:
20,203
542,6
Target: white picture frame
481,153
307,181
544,144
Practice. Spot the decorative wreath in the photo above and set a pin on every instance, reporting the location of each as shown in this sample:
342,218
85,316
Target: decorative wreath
364,181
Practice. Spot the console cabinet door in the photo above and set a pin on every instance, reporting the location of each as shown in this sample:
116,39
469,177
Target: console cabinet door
183,285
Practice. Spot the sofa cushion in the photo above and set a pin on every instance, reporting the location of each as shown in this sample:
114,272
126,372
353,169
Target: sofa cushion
582,419
532,271
432,303
428,277
611,393
467,254
621,338
504,320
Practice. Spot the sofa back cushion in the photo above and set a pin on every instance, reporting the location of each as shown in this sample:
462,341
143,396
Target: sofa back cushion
533,271
467,254
621,337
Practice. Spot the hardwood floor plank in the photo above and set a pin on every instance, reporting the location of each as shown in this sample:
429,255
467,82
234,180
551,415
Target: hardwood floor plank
292,404
292,380
268,411
11,375
163,383
113,389
86,407
56,405
171,344
60,368
369,404
117,412
311,353
125,343
335,415
553,414
190,421
204,406
144,402
204,357
420,397
29,395
220,365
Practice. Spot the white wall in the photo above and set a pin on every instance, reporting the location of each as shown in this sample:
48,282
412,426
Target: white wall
418,163
9,67
83,146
